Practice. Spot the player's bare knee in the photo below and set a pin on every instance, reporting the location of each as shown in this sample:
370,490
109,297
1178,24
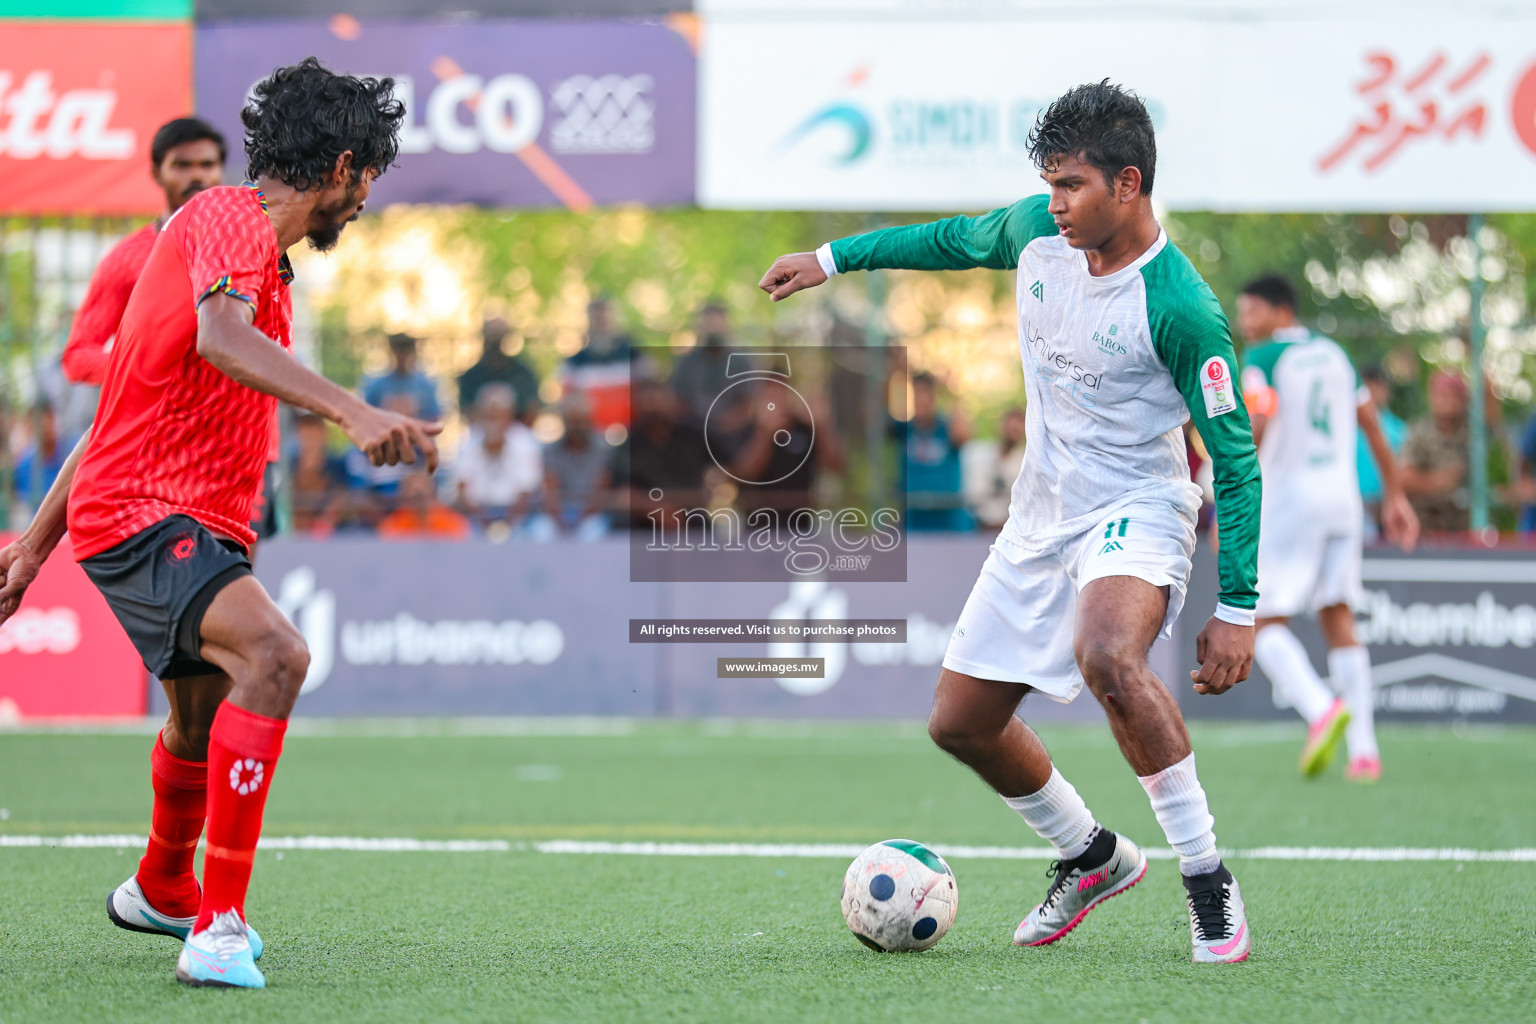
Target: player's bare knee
281,660
957,737
1109,671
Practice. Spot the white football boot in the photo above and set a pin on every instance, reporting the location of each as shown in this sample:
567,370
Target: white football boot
128,908
1111,865
1218,921
219,956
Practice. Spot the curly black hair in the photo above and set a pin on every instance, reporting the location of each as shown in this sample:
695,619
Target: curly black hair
1103,125
301,118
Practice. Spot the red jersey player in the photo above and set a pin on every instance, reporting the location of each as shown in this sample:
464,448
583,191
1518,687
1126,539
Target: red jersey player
187,156
159,494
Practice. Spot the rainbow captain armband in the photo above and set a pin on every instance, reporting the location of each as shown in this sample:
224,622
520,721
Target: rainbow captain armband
225,285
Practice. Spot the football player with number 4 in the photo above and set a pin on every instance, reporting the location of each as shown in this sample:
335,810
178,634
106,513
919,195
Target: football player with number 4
1307,403
1122,343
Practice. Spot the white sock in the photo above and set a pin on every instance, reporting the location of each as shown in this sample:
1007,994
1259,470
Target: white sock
1058,815
1179,803
1290,671
1350,668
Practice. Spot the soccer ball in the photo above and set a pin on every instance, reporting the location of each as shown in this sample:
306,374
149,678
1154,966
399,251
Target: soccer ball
899,896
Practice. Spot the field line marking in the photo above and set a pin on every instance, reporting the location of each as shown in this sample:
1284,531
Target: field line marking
372,844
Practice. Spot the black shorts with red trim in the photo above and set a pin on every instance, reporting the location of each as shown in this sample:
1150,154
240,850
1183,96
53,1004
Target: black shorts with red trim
160,582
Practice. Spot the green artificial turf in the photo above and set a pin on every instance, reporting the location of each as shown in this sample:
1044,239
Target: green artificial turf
530,936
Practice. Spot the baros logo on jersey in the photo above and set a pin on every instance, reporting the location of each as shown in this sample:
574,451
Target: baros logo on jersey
1216,386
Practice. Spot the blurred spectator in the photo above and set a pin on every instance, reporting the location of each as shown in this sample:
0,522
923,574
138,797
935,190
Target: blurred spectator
1435,456
318,480
1396,433
663,462
495,366
420,514
991,467
40,461
932,478
699,376
765,436
499,468
74,404
577,475
600,369
404,388
1525,478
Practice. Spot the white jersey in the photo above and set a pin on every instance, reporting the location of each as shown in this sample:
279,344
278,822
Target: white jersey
1306,386
1104,417
1114,366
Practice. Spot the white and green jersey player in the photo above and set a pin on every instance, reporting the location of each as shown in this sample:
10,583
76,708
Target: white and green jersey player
1306,388
1308,409
1113,368
1122,344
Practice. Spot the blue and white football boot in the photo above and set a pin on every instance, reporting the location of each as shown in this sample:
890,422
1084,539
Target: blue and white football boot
128,908
219,956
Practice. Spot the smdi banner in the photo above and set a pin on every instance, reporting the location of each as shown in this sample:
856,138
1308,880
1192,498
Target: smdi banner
836,112
79,104
498,113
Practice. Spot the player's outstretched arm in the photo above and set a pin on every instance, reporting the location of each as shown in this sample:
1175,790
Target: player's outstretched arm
23,558
1398,519
993,240
227,339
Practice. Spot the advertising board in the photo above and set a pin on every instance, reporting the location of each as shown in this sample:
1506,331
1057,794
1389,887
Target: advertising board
63,654
79,105
1264,113
498,113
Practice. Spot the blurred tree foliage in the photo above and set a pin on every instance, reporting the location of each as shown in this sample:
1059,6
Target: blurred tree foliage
1392,289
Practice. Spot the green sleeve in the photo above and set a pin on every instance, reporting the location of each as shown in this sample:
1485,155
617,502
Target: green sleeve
992,240
1262,360
1193,340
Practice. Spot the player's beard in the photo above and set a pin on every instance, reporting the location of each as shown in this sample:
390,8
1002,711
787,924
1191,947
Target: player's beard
325,239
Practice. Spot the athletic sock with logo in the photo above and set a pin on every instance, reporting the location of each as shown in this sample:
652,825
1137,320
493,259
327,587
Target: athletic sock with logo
1350,668
181,796
1179,803
1290,671
1058,815
243,748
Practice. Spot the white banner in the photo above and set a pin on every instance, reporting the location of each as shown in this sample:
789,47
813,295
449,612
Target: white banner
1411,115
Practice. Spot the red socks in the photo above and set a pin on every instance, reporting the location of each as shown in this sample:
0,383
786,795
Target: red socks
165,872
243,748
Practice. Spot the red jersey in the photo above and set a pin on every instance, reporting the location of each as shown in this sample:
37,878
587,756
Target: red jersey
173,435
96,322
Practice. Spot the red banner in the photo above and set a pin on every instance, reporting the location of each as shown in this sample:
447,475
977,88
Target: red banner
63,654
79,106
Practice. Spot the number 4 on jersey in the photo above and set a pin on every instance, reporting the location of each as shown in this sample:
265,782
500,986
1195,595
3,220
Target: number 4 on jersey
1317,410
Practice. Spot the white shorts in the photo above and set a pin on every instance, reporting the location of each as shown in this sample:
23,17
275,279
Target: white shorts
1018,624
1305,565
